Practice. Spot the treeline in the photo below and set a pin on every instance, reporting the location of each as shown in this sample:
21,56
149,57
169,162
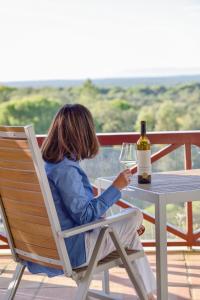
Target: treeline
114,109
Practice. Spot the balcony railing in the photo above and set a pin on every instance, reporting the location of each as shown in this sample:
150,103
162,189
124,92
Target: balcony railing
170,141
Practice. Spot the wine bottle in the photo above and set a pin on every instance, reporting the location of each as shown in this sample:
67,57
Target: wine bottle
144,156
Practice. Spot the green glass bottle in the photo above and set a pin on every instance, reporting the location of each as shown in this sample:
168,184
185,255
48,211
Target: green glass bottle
144,156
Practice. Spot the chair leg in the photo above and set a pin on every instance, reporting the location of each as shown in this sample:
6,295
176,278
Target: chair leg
136,281
106,282
84,283
12,288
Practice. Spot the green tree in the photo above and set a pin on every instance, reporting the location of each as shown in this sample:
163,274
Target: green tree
6,92
120,104
36,111
147,113
110,117
190,120
166,117
89,94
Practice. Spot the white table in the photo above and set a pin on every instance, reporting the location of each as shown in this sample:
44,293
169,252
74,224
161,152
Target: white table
169,187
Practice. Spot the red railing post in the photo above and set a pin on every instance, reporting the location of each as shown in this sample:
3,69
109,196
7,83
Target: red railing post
189,215
4,239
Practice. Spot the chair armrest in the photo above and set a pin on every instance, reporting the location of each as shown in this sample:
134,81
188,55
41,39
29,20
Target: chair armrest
126,213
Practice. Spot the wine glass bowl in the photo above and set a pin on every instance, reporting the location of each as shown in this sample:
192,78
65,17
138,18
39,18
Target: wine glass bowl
127,156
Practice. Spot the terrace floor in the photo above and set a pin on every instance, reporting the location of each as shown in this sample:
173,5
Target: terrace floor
184,280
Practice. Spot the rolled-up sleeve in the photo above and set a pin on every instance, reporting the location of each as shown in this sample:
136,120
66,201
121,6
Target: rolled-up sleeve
75,200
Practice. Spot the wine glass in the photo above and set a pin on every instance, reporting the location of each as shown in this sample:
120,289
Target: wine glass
127,156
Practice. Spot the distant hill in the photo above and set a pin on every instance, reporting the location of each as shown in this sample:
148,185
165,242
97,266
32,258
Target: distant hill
107,82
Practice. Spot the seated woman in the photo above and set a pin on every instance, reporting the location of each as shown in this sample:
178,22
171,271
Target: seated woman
71,138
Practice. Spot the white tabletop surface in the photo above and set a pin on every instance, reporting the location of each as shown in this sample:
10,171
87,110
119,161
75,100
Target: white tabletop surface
168,183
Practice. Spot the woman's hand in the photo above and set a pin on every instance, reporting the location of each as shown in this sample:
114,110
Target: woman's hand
123,179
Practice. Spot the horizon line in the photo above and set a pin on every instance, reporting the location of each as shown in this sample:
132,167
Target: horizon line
106,78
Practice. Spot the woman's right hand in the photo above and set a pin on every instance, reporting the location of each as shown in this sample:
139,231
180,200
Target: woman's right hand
123,179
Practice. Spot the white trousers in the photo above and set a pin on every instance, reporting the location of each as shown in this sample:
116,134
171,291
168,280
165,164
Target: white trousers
127,233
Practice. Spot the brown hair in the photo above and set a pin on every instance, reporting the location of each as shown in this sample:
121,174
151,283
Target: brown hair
71,134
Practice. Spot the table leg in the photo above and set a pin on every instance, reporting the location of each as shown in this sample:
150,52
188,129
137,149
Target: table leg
161,249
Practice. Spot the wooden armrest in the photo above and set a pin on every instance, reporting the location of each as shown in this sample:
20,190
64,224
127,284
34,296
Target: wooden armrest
126,213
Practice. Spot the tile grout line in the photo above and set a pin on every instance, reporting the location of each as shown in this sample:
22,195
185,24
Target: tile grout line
38,289
188,276
5,267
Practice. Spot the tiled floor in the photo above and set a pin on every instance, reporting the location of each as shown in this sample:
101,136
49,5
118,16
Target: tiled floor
184,280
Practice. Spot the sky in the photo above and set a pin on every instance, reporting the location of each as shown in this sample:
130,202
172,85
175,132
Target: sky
79,39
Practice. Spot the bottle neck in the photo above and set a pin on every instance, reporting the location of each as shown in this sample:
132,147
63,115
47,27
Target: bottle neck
143,128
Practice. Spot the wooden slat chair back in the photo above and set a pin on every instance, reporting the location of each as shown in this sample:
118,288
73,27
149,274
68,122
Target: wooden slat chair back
23,196
31,222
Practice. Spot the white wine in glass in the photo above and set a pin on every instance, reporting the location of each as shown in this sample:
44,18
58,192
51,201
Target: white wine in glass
127,156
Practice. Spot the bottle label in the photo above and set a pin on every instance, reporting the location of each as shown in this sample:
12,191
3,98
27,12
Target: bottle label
144,163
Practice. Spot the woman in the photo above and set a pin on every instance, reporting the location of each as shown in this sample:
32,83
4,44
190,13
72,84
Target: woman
71,138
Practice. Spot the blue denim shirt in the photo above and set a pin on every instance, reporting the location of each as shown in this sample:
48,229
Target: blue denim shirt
75,205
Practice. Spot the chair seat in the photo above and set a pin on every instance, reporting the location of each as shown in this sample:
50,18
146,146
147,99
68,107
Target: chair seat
111,260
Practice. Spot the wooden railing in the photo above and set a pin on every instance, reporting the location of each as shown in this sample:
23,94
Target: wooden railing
173,140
